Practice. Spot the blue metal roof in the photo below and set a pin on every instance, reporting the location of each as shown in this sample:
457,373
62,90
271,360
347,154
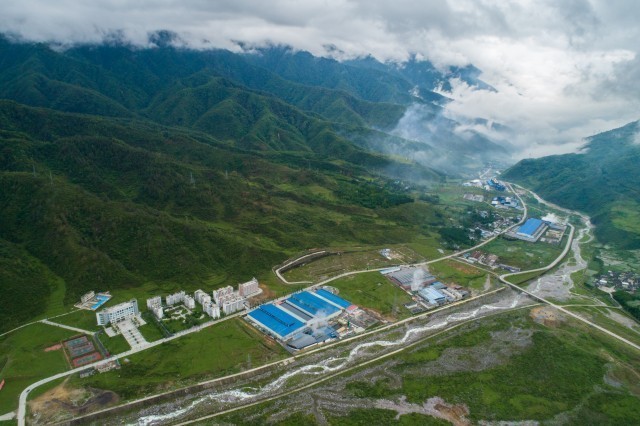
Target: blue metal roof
333,298
276,320
312,304
295,311
432,295
530,226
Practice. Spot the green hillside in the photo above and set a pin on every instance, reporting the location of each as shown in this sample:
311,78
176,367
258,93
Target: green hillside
253,98
106,203
159,168
603,181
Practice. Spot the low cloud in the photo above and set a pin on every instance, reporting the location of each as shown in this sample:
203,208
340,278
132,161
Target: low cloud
562,70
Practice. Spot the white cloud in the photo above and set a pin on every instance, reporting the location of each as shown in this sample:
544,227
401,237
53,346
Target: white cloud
563,69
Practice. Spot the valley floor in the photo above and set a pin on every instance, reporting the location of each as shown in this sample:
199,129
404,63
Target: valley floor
374,375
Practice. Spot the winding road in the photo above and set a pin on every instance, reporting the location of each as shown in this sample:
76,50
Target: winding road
21,415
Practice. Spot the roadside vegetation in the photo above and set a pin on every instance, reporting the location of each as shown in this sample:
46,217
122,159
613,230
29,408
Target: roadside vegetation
215,351
23,359
374,291
507,367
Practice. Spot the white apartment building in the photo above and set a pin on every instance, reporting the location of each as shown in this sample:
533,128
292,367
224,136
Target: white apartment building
249,288
222,293
189,302
118,312
87,296
154,301
175,298
158,311
212,310
202,297
232,305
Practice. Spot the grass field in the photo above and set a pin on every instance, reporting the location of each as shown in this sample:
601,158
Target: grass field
523,254
374,291
428,246
451,271
600,317
564,369
350,261
115,345
215,351
81,318
23,360
150,330
523,277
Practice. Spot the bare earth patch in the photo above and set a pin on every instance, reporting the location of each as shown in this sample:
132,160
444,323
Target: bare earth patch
435,407
546,315
63,402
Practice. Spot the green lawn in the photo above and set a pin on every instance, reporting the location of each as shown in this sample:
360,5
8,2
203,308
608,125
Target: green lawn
374,291
523,254
523,277
451,271
115,345
563,368
150,330
600,317
560,371
82,318
219,350
331,266
23,360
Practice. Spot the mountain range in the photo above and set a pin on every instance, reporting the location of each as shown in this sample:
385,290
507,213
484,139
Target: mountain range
123,167
602,180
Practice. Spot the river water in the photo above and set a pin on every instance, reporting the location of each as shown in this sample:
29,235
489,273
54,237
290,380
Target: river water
558,284
330,365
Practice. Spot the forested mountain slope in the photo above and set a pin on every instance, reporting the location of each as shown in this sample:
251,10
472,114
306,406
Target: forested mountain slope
603,181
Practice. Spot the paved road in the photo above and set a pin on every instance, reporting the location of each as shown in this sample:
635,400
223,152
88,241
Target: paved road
346,370
68,327
37,321
22,401
311,352
25,393
449,256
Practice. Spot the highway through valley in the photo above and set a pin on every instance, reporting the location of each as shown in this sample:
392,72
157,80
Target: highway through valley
22,405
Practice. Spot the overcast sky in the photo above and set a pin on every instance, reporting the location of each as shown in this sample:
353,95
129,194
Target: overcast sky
564,69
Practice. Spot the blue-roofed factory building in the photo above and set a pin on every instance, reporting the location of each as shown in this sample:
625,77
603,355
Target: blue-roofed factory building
496,185
303,318
336,300
276,320
531,230
432,296
313,305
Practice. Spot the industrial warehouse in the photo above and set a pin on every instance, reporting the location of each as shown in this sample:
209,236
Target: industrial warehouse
309,318
427,292
533,229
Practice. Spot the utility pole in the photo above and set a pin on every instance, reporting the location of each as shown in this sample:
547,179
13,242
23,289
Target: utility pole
50,178
191,179
34,169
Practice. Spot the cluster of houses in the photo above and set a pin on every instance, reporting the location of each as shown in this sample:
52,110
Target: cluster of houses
505,202
612,281
487,259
